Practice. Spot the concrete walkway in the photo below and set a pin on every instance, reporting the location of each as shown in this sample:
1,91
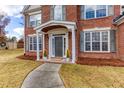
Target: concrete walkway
45,76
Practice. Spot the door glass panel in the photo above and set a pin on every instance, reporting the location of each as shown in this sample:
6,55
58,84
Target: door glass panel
64,46
53,46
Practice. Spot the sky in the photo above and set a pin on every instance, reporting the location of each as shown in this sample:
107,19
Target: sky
14,28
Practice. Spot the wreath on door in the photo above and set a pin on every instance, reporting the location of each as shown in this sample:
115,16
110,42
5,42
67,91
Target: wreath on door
2,44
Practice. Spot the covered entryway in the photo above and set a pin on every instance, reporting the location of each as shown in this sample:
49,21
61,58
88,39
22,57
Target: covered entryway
58,42
56,39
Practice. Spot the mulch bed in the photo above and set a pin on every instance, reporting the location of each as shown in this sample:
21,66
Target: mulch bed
86,61
27,57
100,62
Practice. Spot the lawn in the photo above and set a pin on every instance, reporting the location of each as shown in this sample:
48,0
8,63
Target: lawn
84,76
14,70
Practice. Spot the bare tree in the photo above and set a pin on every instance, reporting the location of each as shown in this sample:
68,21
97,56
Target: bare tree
4,21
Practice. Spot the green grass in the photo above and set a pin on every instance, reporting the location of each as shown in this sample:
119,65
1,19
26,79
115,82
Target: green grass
83,76
12,70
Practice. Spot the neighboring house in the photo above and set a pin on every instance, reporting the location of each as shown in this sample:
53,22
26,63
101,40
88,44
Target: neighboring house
20,43
86,30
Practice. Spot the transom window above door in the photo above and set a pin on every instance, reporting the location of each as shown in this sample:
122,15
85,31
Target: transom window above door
58,12
95,11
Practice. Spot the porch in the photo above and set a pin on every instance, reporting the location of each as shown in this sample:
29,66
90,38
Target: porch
58,37
57,60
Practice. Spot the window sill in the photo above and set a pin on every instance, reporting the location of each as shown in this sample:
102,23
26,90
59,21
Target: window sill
34,51
97,52
95,18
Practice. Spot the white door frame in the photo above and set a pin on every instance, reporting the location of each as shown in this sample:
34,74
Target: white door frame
50,44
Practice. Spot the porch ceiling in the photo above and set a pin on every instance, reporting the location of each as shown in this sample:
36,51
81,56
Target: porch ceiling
52,27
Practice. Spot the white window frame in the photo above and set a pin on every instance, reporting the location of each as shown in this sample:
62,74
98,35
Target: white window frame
95,12
32,14
100,41
31,36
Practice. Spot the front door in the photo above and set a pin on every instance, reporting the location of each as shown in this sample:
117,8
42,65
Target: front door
59,46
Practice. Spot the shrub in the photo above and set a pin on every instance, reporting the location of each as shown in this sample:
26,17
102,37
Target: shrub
67,54
45,53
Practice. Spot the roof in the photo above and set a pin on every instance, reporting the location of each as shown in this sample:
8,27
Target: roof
30,8
25,8
118,18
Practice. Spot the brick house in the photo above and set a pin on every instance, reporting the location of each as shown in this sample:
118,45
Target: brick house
85,30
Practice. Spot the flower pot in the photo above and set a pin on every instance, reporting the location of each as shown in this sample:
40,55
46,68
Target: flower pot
67,59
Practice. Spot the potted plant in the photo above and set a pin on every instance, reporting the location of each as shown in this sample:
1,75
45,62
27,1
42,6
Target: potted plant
67,55
45,55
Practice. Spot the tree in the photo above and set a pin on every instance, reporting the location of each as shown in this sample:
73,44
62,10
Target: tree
4,21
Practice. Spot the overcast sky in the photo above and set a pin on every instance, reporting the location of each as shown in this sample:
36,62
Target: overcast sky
14,28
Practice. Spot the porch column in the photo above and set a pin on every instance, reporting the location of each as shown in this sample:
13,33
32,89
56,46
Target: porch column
73,45
43,43
38,51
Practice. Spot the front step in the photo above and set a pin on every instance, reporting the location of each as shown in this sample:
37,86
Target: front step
56,60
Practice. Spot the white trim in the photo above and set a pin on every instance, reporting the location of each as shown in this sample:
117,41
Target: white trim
108,41
95,8
73,46
121,9
97,29
53,22
30,35
38,50
50,44
34,13
43,43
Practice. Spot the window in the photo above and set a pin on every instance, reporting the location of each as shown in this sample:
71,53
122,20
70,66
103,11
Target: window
96,41
95,11
90,11
58,12
101,10
35,20
33,43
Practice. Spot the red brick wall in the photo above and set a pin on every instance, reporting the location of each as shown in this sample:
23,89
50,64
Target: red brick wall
120,40
33,53
71,13
29,30
45,13
47,43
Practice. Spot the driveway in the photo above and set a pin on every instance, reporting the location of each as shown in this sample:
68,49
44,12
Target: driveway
45,76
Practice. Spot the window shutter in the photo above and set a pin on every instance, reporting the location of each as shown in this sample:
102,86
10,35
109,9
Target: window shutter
82,11
52,12
110,10
112,40
64,12
27,43
81,41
